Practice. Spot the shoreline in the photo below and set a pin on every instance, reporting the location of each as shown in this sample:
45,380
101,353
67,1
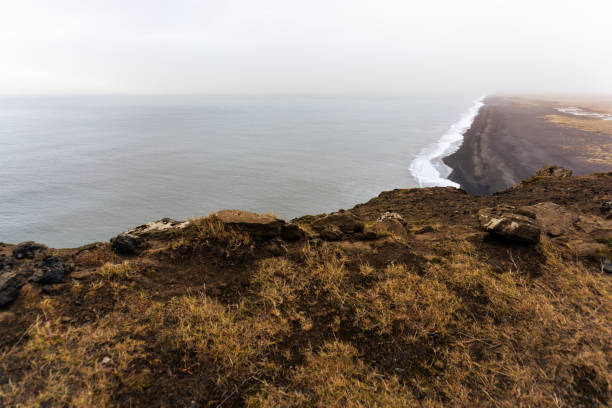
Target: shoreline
512,137
428,168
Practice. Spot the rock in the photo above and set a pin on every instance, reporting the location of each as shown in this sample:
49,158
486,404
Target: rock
606,207
554,219
7,262
607,266
389,215
331,233
160,229
263,226
292,232
553,171
345,221
10,285
29,249
127,244
516,224
52,270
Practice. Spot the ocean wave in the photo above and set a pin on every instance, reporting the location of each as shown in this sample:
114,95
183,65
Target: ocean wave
572,110
427,168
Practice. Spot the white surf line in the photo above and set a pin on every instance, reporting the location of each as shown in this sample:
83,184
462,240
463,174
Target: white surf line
427,168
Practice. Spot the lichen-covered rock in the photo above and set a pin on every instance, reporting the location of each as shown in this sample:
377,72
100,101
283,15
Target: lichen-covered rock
553,171
516,224
160,229
260,225
345,221
127,244
28,250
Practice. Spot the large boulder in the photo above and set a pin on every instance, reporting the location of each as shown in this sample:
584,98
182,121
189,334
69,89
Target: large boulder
513,223
259,225
553,171
127,244
344,221
28,250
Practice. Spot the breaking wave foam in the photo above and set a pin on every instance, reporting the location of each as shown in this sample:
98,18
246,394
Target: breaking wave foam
428,168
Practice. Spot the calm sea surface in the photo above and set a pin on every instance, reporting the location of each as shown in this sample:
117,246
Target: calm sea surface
79,169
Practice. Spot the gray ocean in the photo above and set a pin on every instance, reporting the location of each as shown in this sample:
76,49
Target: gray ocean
74,170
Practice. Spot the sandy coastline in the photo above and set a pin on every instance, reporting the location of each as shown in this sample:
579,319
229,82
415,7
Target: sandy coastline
512,137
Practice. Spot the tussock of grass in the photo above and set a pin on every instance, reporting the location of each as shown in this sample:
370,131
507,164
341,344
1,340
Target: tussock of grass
110,271
210,236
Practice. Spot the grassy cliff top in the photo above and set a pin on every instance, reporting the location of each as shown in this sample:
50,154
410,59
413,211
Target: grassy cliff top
399,302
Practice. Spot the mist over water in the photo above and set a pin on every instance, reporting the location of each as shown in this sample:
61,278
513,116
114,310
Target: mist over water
79,169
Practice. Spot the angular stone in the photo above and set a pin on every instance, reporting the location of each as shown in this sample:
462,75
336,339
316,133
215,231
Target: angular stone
512,223
264,226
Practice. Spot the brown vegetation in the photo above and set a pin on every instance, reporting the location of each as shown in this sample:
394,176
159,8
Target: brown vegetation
209,315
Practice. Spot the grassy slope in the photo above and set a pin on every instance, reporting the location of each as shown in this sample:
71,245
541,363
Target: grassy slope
209,317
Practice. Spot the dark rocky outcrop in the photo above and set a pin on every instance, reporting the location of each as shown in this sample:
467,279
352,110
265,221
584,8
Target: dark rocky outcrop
51,270
513,223
28,250
127,244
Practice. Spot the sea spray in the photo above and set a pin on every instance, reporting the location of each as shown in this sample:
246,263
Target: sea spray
428,168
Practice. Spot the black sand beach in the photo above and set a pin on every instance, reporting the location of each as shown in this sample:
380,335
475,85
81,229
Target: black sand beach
512,137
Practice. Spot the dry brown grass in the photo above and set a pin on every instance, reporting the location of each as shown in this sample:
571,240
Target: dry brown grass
318,329
74,366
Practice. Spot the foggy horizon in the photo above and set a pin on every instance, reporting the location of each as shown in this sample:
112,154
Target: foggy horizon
316,48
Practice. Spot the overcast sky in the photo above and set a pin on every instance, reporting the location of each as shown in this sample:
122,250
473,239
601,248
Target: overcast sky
304,47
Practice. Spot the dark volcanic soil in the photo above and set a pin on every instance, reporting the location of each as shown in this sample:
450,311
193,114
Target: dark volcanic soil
510,139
